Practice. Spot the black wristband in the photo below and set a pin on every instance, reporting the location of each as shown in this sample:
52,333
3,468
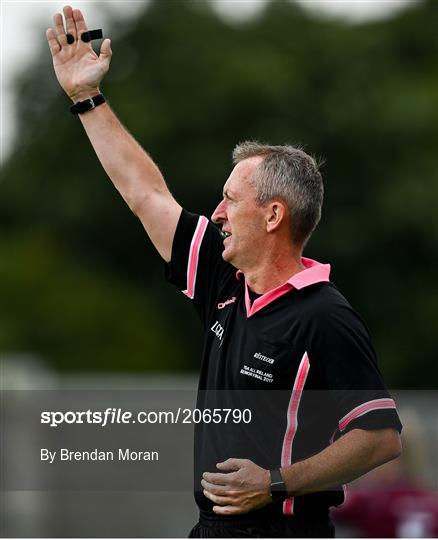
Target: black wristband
278,487
88,104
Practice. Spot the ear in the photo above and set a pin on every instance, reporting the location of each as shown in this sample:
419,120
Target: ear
275,216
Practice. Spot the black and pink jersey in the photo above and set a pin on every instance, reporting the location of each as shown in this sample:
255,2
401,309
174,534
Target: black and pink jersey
298,357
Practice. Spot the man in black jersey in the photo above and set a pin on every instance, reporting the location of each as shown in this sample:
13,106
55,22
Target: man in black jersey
276,329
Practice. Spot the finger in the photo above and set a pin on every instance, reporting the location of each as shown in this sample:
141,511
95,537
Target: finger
59,29
224,501
70,22
105,53
54,45
218,490
231,464
220,479
81,26
228,510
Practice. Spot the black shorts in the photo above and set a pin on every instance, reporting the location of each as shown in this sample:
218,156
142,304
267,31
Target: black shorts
278,527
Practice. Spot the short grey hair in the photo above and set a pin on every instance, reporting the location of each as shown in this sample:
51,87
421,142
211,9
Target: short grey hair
287,172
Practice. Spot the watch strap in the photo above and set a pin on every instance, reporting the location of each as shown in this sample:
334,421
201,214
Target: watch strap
87,105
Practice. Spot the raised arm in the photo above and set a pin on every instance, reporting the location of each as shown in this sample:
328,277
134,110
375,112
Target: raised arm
79,72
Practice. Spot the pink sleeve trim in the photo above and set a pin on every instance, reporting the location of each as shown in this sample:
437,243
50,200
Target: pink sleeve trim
292,423
360,410
195,246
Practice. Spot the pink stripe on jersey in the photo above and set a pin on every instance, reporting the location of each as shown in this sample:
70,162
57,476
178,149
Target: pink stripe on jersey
292,422
360,410
288,506
195,246
247,301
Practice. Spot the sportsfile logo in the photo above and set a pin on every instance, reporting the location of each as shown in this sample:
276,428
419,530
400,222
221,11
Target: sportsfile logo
221,305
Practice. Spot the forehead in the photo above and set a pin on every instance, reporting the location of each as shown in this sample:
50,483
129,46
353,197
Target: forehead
242,173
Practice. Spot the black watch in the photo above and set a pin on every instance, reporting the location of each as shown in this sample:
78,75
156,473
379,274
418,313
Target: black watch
278,487
88,104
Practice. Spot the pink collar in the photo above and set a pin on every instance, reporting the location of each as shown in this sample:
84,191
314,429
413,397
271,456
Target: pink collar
314,272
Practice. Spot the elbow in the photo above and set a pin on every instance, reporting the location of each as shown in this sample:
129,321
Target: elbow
392,445
140,202
397,447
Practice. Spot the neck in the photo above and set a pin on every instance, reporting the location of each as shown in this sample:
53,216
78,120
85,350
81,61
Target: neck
273,270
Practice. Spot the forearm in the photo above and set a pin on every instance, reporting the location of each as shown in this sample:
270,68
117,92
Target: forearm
129,167
351,456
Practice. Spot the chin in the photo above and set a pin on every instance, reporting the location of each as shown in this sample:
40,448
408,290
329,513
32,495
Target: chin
227,256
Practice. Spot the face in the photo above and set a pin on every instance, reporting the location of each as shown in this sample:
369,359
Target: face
242,221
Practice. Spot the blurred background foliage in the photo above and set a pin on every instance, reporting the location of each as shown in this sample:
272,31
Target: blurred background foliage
80,284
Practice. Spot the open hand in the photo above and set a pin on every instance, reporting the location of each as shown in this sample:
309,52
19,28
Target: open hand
77,67
244,486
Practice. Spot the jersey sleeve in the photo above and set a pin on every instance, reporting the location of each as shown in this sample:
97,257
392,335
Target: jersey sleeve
341,346
196,266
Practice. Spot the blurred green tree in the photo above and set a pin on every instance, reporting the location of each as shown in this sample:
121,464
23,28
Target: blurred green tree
79,282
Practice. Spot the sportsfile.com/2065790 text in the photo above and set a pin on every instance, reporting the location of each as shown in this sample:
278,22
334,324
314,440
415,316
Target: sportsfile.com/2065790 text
112,415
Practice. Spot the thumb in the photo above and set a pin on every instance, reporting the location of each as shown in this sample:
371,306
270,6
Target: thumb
105,52
230,464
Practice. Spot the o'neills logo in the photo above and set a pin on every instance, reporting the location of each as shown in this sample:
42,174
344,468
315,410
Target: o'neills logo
221,305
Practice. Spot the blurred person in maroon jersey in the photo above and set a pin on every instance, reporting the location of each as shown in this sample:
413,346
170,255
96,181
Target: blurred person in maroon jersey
392,501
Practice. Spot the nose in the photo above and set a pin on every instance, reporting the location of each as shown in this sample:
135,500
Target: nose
220,214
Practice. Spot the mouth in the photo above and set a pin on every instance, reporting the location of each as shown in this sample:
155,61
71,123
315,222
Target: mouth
225,234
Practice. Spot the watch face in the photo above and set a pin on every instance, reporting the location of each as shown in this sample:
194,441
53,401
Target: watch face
278,487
